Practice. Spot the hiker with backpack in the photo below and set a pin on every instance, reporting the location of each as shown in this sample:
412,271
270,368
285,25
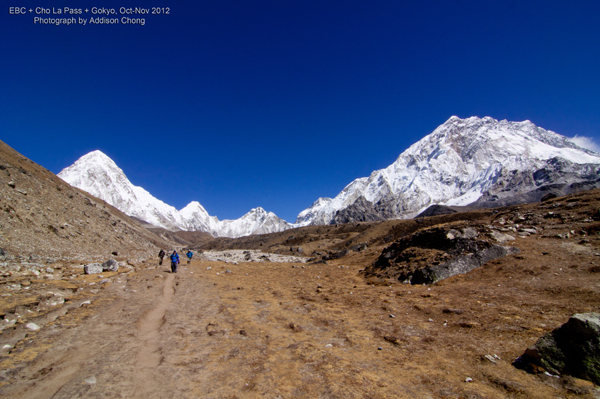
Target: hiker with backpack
161,255
189,255
174,262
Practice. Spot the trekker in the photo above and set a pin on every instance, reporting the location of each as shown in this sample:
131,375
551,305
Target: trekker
174,262
189,255
161,255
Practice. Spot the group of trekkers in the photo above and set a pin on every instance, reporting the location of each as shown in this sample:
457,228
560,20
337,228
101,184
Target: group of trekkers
174,258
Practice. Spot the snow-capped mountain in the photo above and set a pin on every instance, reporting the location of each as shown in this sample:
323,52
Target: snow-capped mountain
311,215
464,161
474,161
98,175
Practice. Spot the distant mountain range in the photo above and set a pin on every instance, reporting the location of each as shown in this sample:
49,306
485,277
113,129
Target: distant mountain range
474,161
98,175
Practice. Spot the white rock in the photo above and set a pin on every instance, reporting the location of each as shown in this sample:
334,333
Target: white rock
501,237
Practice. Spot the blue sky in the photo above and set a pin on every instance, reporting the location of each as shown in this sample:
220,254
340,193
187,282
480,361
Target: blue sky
239,104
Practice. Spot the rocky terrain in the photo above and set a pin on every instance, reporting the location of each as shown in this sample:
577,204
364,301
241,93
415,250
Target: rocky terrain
335,317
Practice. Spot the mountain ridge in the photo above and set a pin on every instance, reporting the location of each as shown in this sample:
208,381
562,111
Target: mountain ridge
100,176
458,163
472,161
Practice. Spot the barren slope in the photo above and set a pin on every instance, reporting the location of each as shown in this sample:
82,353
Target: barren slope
319,330
44,217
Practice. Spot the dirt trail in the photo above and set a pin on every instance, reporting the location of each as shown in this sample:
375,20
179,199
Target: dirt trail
112,348
148,327
255,330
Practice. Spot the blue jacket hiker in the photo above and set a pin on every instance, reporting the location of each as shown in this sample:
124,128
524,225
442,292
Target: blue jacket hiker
174,261
189,256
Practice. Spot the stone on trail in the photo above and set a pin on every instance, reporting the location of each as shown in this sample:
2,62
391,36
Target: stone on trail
90,380
110,265
32,326
93,268
573,349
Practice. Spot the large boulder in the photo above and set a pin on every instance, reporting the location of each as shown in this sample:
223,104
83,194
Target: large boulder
110,265
436,253
460,264
93,268
573,349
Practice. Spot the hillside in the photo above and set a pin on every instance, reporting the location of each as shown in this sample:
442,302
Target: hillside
43,217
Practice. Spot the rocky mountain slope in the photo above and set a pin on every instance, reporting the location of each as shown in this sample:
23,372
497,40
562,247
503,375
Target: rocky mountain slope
44,217
100,176
478,161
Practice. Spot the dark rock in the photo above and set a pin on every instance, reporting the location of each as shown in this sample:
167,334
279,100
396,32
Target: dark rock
548,196
453,311
573,349
460,265
436,253
363,210
559,177
336,255
435,210
110,265
359,247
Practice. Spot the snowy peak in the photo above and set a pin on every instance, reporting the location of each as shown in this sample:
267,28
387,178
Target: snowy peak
97,157
481,161
258,221
193,208
484,136
455,165
100,176
307,215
